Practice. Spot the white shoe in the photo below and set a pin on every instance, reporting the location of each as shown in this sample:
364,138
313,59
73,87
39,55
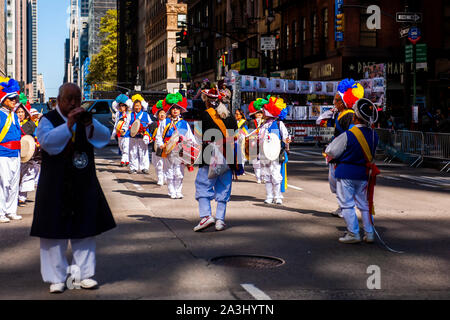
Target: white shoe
268,201
14,217
87,284
179,196
220,225
4,219
258,181
279,201
160,183
173,196
205,223
350,238
57,288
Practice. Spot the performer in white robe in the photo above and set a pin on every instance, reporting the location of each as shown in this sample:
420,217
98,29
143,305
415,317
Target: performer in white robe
157,161
123,104
139,157
10,135
174,104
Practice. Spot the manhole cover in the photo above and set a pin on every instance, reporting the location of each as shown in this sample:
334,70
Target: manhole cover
248,261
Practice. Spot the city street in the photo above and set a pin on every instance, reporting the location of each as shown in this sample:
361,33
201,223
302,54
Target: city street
154,253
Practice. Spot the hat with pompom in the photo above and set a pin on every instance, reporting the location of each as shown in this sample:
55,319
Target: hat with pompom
275,108
157,108
122,99
256,106
350,92
9,89
175,100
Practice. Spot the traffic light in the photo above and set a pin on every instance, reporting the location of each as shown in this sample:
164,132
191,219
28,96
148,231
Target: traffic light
182,38
339,20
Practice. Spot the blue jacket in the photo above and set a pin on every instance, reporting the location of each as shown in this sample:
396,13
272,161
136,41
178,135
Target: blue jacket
351,164
14,134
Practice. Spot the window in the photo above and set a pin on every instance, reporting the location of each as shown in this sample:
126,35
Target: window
101,107
295,33
313,32
287,36
325,28
303,30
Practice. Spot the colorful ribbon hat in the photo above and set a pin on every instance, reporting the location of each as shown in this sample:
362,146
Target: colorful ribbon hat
175,100
138,97
157,108
122,99
9,88
275,108
350,92
256,106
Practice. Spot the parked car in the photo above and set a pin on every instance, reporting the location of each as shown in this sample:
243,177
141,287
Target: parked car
102,111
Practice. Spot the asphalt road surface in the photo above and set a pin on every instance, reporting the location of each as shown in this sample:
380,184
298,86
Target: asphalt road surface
154,253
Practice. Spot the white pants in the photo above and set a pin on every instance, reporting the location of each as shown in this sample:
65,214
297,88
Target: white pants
124,145
271,175
257,168
9,185
28,173
139,157
158,163
351,194
54,265
174,173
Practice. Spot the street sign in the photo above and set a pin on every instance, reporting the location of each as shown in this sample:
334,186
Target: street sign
421,53
415,17
268,43
404,32
414,35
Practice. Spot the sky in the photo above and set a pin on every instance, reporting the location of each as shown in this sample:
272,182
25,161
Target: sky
52,31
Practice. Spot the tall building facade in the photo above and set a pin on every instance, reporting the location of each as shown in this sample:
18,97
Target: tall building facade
2,39
162,66
131,43
97,10
32,62
74,57
21,44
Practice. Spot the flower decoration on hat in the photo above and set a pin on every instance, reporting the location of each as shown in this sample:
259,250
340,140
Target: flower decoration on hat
275,108
257,106
212,93
138,97
175,100
9,89
122,99
158,107
350,92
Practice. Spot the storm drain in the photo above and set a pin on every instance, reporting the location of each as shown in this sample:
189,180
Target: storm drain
248,261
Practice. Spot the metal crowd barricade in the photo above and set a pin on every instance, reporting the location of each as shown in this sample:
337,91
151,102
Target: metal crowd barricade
386,143
437,146
411,145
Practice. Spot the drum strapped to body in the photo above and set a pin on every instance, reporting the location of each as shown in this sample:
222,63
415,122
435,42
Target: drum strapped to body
135,128
120,129
271,147
27,148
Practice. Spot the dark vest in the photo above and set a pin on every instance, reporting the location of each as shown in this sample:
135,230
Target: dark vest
70,203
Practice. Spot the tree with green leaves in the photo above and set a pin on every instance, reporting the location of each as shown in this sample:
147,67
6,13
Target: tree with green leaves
103,67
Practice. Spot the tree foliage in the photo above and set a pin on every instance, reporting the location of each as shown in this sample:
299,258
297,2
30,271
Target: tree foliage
103,67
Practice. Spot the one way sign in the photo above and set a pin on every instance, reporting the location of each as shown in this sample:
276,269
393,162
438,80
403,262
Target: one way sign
415,17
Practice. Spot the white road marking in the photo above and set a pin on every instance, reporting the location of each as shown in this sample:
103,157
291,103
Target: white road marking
289,186
255,292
